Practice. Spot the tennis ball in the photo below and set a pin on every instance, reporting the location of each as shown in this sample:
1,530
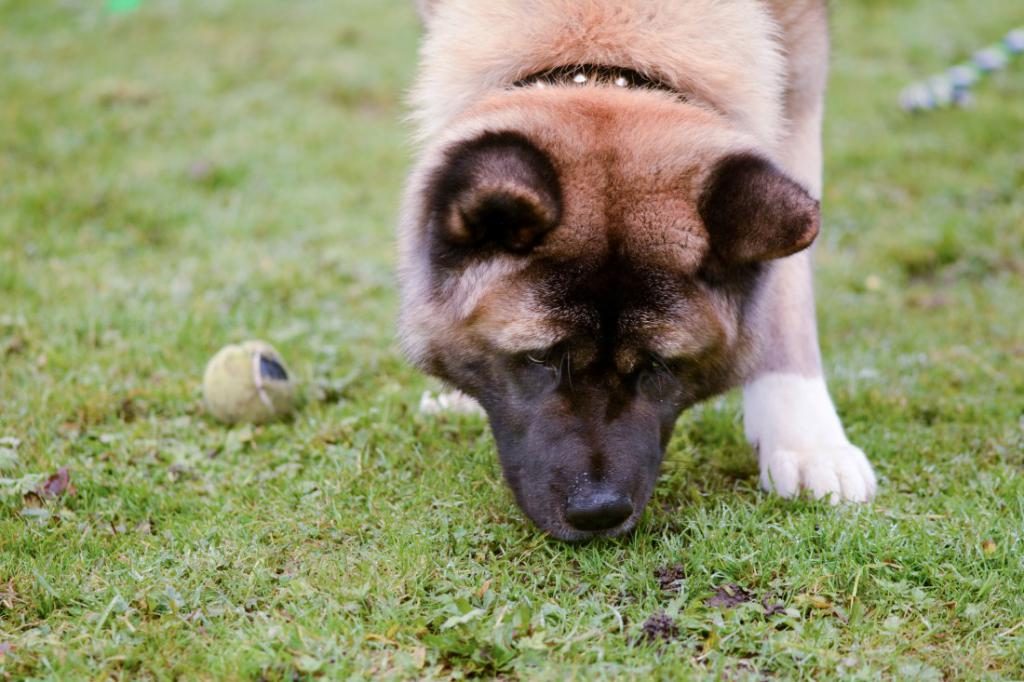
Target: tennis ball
248,383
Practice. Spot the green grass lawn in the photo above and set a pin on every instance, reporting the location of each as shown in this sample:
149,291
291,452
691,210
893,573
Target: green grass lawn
191,174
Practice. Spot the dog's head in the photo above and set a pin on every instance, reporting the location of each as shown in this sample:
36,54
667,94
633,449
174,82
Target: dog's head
584,263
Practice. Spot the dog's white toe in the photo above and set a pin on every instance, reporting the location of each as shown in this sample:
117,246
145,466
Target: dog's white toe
800,441
840,473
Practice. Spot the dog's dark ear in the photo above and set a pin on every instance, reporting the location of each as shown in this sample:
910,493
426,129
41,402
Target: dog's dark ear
498,191
755,212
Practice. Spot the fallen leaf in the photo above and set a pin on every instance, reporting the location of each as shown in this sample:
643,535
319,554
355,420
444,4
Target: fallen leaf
32,500
814,601
729,596
463,619
20,486
58,484
308,664
373,637
989,547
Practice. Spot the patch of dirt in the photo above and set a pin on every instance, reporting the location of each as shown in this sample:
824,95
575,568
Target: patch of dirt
659,627
670,578
729,596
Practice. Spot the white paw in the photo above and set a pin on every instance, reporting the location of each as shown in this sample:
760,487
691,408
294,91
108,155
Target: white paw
840,473
800,441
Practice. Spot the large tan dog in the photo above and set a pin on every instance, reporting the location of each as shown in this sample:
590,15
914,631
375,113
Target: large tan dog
609,221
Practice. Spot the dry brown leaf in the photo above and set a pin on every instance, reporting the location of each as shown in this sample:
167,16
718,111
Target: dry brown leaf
58,484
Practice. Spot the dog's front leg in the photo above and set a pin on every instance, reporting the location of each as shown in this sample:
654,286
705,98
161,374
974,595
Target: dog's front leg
789,416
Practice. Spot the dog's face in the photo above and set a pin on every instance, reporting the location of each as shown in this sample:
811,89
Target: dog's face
585,263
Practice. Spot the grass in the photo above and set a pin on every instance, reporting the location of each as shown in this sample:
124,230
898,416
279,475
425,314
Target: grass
190,174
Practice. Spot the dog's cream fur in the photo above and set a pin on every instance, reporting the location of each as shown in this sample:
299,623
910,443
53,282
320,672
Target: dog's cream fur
725,53
760,64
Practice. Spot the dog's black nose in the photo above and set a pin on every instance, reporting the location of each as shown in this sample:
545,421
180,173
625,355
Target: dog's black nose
598,510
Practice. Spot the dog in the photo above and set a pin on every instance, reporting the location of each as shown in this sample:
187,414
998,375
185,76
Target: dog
609,220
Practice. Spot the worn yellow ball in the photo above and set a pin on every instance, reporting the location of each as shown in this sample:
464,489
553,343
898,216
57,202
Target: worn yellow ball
248,382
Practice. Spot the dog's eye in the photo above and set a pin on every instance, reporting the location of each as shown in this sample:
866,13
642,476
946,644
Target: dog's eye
656,378
655,364
537,358
536,371
546,361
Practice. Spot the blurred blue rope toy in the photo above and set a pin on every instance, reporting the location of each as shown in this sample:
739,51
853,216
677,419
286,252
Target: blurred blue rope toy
953,88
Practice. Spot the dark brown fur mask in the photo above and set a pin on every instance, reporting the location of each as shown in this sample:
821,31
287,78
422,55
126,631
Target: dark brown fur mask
584,264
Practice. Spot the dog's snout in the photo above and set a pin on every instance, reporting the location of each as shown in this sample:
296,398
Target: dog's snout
598,510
